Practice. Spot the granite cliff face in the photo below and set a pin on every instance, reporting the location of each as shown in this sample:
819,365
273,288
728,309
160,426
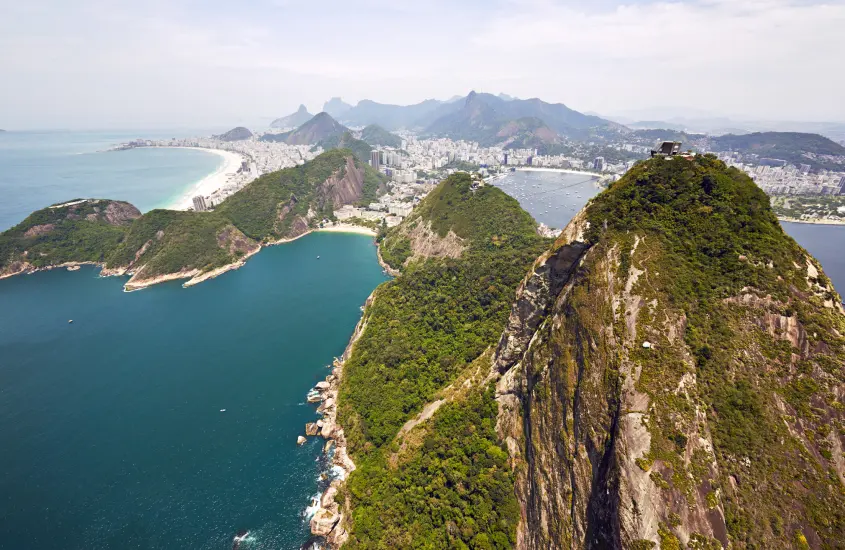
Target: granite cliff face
636,416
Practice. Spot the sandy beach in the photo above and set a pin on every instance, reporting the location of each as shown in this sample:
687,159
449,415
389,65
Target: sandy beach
212,182
349,228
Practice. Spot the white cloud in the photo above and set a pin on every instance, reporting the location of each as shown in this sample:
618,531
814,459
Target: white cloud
176,62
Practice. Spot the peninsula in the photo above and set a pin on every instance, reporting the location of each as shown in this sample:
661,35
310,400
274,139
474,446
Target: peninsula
164,245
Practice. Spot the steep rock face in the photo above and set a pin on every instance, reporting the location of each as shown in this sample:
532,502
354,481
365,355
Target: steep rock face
642,410
346,186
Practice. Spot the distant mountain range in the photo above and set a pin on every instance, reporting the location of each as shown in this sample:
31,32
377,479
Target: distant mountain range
295,120
235,134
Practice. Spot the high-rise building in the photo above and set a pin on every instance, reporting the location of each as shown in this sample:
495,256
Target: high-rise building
598,164
374,159
842,186
505,162
199,204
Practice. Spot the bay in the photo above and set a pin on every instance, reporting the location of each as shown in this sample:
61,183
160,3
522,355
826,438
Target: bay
42,168
112,430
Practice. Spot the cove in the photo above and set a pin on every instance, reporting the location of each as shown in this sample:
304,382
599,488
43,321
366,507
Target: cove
112,430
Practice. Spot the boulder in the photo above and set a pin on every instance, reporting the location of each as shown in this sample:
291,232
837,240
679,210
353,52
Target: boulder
323,522
301,440
323,386
314,398
328,429
311,428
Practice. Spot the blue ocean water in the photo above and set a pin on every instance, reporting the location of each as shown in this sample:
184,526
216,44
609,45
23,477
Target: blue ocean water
112,430
42,168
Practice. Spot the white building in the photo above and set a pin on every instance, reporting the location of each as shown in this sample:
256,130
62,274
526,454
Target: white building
200,205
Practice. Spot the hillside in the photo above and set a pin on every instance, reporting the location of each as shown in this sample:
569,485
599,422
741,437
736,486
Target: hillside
293,120
359,148
528,133
685,377
669,376
81,230
164,244
462,252
321,126
235,134
377,136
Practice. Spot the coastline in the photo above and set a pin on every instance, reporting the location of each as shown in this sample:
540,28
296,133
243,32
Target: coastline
348,228
811,222
212,182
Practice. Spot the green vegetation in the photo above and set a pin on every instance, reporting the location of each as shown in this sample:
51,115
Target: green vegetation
359,148
275,206
377,136
707,237
456,492
84,232
177,241
425,328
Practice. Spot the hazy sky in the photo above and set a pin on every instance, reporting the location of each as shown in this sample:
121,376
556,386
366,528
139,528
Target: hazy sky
154,63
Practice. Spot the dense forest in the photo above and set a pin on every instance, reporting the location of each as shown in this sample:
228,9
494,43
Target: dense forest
427,328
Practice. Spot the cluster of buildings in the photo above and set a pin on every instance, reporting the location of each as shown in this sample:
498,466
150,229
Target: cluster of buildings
776,177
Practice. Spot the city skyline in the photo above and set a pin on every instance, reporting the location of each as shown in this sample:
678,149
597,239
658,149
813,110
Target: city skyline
166,64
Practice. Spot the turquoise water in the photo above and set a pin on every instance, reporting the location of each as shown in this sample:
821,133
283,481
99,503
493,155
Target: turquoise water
42,168
111,426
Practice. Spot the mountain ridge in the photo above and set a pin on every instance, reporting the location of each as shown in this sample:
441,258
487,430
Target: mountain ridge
293,120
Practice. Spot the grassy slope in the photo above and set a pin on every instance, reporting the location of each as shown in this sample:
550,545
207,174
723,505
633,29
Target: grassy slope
710,236
425,328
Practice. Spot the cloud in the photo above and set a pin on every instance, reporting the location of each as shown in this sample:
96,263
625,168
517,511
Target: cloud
188,62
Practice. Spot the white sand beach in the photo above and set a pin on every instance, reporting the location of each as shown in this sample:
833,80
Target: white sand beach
349,228
212,182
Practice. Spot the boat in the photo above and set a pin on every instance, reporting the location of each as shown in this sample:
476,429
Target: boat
222,410
69,321
318,257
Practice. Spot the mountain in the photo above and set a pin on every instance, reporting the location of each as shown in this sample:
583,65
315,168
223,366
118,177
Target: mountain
377,136
336,107
300,117
235,134
667,374
483,115
165,245
528,133
322,126
360,149
391,117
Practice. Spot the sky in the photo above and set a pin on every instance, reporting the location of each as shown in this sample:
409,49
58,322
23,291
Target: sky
182,63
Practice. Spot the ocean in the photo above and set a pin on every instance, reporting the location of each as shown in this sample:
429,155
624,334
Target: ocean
112,430
43,168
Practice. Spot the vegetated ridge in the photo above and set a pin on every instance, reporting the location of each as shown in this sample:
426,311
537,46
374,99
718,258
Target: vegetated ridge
235,134
377,136
346,140
669,376
165,244
293,120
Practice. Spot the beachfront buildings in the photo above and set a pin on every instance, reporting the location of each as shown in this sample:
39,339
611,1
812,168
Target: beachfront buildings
200,204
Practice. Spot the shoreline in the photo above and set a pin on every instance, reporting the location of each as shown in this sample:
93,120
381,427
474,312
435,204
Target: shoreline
212,182
348,228
812,222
